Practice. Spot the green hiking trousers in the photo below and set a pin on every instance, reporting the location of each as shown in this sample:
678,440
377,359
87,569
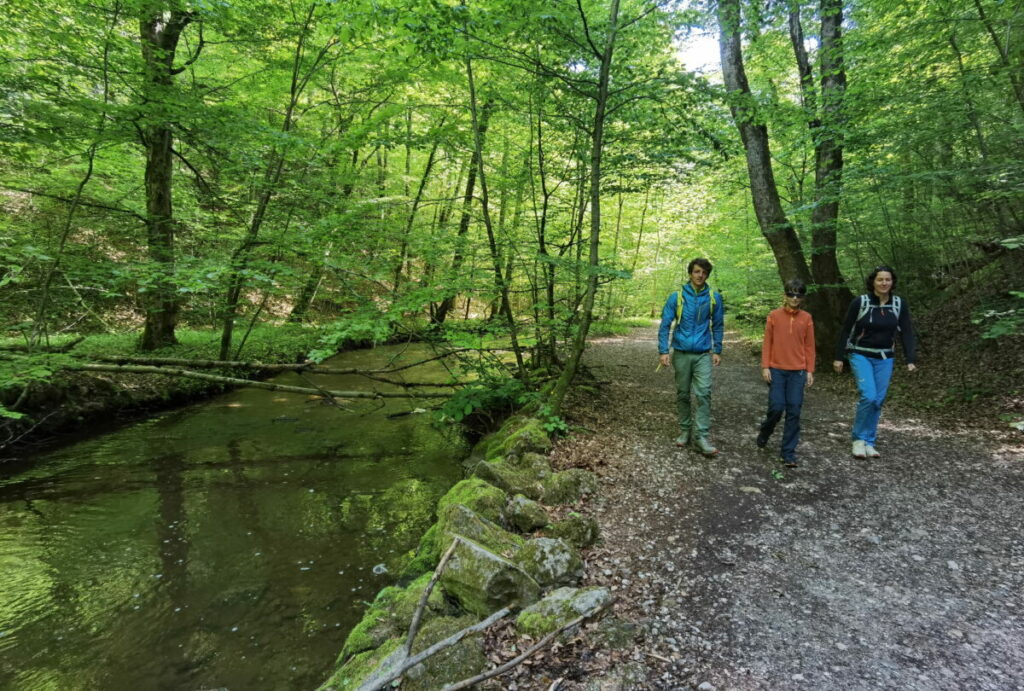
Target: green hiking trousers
693,372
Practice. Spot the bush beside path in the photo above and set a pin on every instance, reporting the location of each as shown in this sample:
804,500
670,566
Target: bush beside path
732,572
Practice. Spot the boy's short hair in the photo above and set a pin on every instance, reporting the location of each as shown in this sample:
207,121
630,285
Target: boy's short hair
702,263
795,286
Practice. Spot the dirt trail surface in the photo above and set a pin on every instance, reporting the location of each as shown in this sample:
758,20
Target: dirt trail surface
906,572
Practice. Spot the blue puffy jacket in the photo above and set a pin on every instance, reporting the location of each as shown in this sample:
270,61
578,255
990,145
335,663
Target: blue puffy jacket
700,329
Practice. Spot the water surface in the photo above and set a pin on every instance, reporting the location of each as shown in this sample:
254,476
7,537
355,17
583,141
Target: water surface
231,544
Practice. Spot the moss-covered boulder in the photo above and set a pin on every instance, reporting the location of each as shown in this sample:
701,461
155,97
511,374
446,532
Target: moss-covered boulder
353,673
518,435
526,515
456,519
425,557
550,562
559,608
390,614
581,531
461,661
568,486
481,497
483,582
523,474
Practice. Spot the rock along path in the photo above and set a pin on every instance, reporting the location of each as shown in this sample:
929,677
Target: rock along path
901,573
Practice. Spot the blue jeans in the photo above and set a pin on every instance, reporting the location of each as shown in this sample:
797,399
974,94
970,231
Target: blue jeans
873,376
785,395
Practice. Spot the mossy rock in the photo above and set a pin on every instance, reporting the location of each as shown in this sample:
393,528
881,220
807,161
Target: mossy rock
457,519
551,562
517,474
355,671
581,531
483,582
568,486
390,614
481,497
559,608
526,515
461,661
425,557
519,435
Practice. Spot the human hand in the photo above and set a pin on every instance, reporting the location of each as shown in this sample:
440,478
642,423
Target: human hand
766,374
837,365
664,360
716,359
810,379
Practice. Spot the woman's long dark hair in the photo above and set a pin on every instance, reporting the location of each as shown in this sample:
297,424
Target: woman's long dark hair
869,282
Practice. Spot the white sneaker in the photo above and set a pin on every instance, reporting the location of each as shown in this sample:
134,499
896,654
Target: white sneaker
859,449
871,451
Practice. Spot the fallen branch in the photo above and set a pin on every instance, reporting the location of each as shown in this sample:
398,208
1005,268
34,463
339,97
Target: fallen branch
415,625
374,684
176,372
543,643
25,348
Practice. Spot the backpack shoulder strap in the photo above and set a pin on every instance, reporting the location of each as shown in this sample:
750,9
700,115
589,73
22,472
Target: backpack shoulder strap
897,303
865,305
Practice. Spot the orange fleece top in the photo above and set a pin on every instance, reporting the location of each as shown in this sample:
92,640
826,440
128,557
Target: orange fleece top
788,340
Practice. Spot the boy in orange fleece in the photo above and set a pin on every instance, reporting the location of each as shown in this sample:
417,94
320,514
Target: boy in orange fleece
787,366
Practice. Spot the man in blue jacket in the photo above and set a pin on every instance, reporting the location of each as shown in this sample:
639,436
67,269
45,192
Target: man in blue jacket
699,314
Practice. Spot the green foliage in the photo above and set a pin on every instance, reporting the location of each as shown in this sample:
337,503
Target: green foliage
490,397
358,328
1003,317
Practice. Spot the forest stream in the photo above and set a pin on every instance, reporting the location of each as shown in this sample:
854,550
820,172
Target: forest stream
229,544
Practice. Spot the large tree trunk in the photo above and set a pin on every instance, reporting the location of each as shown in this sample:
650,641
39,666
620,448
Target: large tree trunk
159,30
830,294
828,299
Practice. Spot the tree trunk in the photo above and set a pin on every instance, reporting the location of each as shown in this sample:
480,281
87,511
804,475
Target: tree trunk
160,31
830,295
441,313
572,364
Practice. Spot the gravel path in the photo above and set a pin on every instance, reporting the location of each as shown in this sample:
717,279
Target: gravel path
901,573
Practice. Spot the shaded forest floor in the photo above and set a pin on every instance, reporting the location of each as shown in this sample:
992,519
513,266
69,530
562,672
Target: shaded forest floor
734,573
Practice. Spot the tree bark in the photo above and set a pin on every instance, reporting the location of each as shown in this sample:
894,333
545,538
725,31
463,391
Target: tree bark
160,30
775,226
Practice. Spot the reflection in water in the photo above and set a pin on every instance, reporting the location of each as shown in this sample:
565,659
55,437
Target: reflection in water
230,544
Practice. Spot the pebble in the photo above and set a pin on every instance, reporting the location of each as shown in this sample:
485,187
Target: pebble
706,686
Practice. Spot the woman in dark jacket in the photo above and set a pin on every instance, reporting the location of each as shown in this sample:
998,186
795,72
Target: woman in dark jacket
867,340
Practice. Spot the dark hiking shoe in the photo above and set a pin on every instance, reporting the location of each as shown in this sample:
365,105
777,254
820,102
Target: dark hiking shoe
761,441
790,462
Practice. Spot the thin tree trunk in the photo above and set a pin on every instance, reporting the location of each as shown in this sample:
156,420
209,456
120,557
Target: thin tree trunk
499,279
441,313
568,374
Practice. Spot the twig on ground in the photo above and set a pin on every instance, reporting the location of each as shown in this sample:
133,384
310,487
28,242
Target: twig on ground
543,643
